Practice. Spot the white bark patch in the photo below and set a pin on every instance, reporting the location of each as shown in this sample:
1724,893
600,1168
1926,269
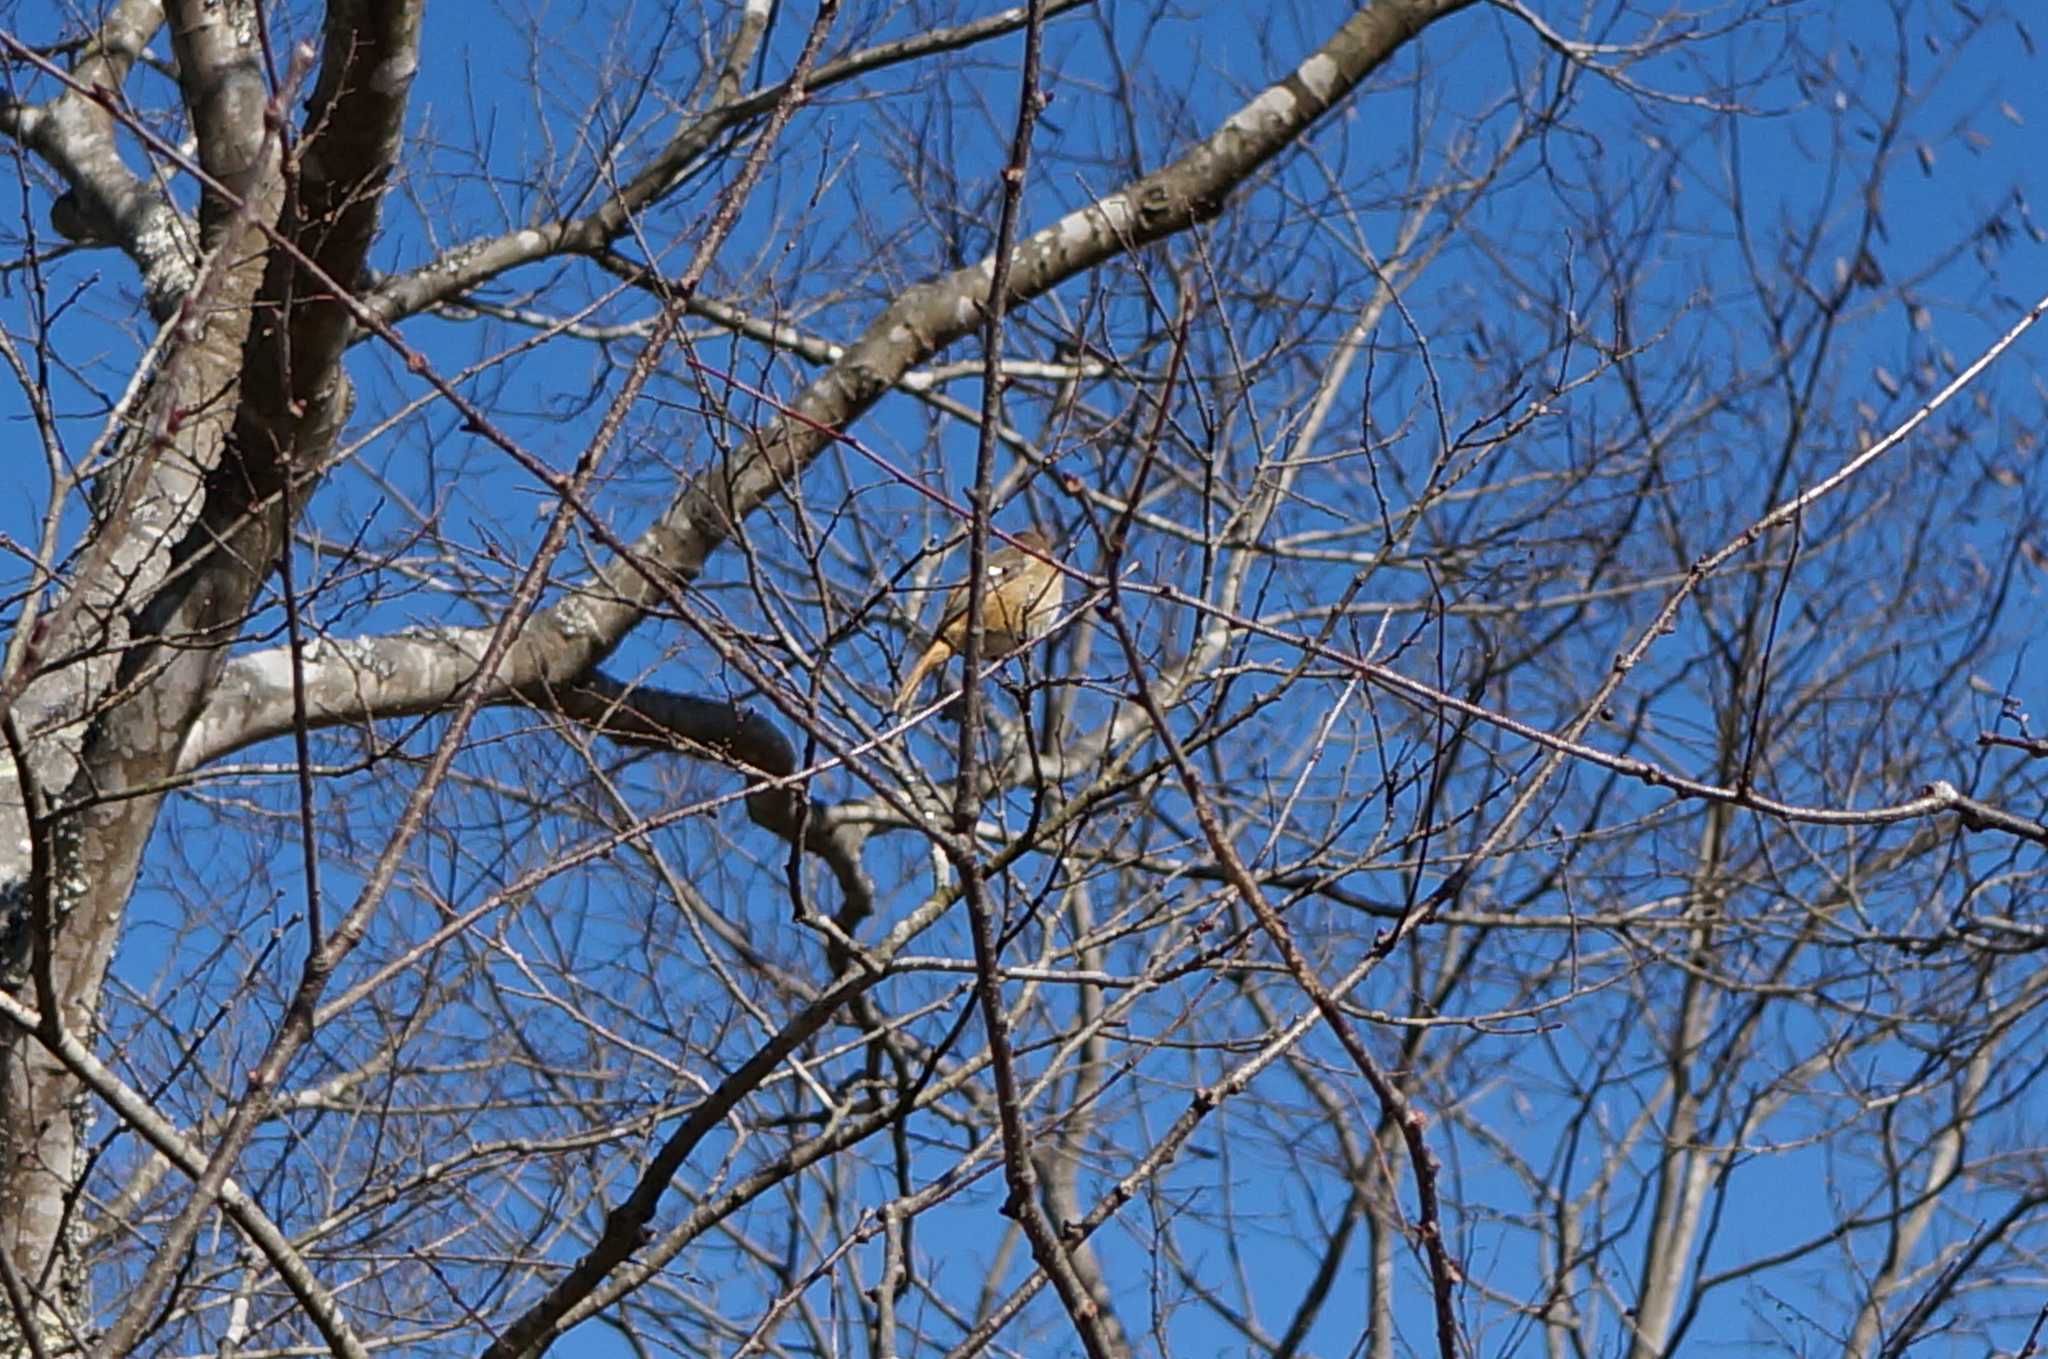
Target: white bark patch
573,619
1319,76
1270,112
270,670
1112,216
393,76
366,655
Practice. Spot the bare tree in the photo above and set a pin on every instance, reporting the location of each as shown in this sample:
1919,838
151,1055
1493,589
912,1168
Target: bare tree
1524,834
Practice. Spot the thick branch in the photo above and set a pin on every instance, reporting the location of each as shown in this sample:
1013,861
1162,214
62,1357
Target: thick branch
105,202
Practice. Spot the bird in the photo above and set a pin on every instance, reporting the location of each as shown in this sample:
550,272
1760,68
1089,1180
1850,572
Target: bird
1019,604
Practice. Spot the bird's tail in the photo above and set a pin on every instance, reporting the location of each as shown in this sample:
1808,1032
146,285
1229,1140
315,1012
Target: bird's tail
934,656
